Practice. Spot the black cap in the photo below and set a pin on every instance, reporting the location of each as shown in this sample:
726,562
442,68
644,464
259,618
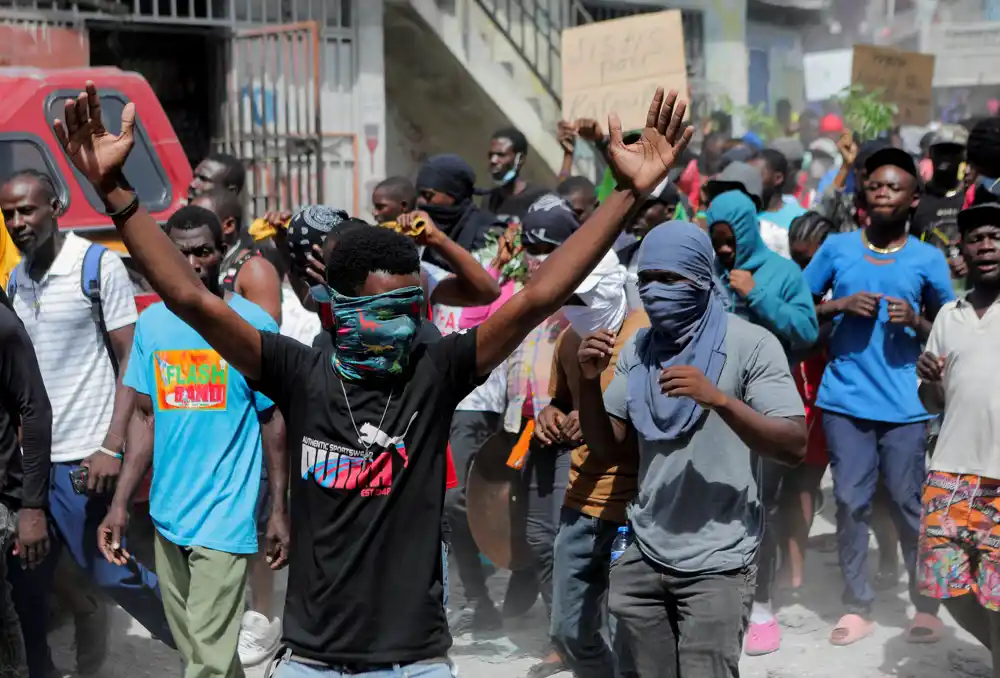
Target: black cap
987,190
985,214
548,221
891,155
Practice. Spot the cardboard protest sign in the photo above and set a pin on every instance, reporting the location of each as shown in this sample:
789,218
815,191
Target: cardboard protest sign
906,79
617,65
827,74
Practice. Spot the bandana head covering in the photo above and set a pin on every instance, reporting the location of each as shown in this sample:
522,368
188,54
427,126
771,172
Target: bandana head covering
687,327
451,175
737,210
448,174
310,226
373,335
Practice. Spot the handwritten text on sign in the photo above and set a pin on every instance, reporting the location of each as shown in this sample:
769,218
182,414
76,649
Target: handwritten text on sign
617,65
905,77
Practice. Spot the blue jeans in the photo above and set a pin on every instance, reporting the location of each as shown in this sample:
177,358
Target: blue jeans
289,668
860,452
579,598
76,518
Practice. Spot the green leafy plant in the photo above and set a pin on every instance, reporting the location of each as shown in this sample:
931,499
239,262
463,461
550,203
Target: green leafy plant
517,268
760,121
755,118
865,113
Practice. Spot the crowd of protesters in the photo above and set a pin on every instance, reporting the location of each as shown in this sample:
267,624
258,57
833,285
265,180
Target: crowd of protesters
680,353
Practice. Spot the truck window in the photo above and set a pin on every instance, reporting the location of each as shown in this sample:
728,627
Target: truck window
142,169
20,152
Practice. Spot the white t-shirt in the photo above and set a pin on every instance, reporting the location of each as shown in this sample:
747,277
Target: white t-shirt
296,322
491,396
445,317
72,356
967,443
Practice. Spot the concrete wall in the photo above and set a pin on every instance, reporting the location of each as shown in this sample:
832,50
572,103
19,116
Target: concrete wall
370,98
783,46
438,102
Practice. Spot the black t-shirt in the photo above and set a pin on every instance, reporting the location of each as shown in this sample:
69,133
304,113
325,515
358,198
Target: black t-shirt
23,477
935,220
364,581
510,209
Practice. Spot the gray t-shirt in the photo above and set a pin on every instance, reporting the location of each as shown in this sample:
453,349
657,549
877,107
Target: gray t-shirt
698,509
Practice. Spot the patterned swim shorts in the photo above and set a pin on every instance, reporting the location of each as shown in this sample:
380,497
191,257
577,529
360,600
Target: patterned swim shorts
960,538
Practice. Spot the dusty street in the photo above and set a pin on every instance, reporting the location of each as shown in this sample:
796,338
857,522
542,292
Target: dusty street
805,652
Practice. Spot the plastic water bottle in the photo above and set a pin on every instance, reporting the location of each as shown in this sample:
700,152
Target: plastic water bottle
622,541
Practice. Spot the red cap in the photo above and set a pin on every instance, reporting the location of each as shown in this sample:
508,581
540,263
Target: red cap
831,124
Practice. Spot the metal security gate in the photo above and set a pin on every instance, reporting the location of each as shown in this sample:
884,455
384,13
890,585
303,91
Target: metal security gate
272,117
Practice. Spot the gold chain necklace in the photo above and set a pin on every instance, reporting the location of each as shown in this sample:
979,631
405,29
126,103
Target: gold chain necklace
881,250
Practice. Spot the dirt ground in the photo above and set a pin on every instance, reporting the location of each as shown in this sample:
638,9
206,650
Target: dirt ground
805,652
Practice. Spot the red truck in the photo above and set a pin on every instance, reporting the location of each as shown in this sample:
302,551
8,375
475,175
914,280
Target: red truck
157,168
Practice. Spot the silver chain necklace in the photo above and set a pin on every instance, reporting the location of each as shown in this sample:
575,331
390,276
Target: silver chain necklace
355,425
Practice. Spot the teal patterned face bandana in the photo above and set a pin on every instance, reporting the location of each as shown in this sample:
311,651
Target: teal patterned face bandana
372,335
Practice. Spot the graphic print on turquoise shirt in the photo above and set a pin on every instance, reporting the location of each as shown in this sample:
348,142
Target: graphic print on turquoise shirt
207,439
872,369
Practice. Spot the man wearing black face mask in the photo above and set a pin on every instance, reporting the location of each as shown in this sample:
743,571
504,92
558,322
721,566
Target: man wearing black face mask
512,196
445,186
936,218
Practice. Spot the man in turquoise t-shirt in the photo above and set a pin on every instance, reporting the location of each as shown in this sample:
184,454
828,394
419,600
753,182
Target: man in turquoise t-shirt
777,216
206,455
886,287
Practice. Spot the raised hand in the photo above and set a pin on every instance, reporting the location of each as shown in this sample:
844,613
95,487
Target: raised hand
98,154
847,147
643,165
419,225
594,353
589,130
566,134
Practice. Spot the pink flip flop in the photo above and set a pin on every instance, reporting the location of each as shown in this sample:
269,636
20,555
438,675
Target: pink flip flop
762,639
925,628
850,629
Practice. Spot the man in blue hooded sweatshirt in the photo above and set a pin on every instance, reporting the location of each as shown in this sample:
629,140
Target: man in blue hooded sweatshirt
696,391
768,290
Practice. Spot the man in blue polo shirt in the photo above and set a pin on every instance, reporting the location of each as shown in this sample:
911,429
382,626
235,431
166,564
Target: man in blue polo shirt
206,455
886,287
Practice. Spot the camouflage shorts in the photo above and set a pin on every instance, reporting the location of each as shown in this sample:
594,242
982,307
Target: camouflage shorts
12,658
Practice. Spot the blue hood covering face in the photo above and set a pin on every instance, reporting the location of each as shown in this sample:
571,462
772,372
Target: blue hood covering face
737,210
